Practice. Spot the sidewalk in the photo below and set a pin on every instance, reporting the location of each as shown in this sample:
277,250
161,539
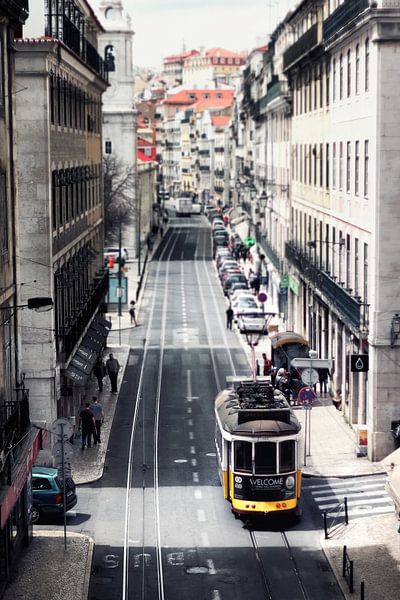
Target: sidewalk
373,543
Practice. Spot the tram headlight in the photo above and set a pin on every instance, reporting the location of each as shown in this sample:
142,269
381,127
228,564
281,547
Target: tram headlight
290,481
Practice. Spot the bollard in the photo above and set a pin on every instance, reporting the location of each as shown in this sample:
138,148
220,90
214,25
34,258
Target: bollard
344,561
362,585
325,525
346,514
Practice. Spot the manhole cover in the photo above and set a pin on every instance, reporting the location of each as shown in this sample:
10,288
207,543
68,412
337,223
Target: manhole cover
197,570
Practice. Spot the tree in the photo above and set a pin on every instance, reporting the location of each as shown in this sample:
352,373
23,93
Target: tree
119,194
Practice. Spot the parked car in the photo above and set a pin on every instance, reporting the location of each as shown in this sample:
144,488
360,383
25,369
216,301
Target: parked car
240,293
235,278
221,255
208,208
229,272
251,320
244,303
47,493
238,287
228,264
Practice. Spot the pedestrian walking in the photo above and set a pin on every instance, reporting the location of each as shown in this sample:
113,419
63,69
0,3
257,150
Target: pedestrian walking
229,317
112,366
256,283
87,426
323,379
132,311
97,411
99,371
267,364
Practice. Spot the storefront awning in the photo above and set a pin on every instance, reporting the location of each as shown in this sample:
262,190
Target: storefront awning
92,345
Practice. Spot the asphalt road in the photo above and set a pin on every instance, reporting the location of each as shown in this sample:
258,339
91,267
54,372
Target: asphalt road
161,526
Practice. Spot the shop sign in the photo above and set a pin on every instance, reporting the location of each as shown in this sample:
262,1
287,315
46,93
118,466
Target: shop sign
294,285
284,281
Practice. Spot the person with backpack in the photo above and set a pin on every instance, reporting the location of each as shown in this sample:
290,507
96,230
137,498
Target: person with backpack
132,312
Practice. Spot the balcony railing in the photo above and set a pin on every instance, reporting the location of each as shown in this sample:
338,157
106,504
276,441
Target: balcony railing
343,16
304,45
269,250
17,10
72,331
342,302
14,420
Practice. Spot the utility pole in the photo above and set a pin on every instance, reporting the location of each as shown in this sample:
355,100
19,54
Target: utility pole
120,268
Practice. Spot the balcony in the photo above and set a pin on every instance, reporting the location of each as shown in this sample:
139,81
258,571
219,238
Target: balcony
14,420
342,303
77,324
219,149
343,16
269,250
204,152
304,45
17,10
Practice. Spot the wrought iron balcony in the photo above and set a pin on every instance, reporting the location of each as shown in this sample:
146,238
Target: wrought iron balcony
341,301
17,10
269,250
72,332
307,42
343,16
14,420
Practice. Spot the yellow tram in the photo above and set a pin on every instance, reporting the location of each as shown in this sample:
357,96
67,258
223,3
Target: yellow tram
257,439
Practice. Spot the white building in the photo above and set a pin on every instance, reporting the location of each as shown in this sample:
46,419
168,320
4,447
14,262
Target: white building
119,115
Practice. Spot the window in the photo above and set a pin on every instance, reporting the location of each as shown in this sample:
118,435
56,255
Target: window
334,81
309,163
287,456
348,162
41,483
327,267
321,169
321,87
357,82
108,147
334,165
341,77
265,458
222,61
333,250
3,213
341,166
356,168
327,166
348,252
367,65
301,163
365,282
243,456
315,88
366,167
2,99
340,260
356,266
327,81
314,151
348,73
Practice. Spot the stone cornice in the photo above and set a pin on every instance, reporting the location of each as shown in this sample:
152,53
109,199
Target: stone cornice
16,10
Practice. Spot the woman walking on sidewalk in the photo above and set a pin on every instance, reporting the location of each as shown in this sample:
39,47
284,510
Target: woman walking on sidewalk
99,371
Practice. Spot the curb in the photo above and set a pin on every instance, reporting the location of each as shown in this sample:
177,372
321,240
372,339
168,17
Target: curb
88,568
347,476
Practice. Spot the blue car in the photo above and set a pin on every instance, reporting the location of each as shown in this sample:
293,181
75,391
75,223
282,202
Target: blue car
47,493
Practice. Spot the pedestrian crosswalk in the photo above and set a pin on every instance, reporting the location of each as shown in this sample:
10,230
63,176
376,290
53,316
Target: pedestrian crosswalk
365,495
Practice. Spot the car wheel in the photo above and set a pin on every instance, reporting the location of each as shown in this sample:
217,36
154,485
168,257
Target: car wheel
35,515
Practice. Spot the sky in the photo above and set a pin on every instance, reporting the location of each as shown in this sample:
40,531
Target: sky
162,27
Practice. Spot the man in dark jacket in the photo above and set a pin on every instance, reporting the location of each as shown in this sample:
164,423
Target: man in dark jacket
87,425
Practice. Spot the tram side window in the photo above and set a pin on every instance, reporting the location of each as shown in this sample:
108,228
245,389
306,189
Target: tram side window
265,458
287,456
243,456
218,440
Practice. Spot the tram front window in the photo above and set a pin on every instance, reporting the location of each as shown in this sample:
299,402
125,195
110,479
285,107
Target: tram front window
265,458
242,456
287,456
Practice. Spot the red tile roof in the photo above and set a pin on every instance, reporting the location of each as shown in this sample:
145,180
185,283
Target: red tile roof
179,57
213,98
222,121
221,52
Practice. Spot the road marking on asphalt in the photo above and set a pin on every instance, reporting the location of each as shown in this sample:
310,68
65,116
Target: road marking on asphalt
190,422
198,494
204,539
215,595
133,360
357,482
191,435
194,462
201,515
195,477
180,460
192,450
189,410
211,567
176,558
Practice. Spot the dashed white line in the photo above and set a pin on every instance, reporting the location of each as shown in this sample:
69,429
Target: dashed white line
190,422
204,539
201,515
215,595
192,450
194,462
198,494
211,567
189,410
191,435
195,477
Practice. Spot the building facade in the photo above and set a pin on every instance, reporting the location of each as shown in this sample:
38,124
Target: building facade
61,79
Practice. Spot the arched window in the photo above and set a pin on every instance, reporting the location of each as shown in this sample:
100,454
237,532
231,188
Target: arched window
341,77
357,69
348,73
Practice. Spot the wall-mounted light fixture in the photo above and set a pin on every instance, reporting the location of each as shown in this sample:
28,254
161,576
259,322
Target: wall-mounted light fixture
394,329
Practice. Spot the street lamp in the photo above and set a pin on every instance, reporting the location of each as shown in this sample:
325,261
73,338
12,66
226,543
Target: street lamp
39,304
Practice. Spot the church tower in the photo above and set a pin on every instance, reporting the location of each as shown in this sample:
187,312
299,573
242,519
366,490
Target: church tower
119,115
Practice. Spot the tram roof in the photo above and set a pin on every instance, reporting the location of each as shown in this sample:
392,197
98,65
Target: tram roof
258,410
287,337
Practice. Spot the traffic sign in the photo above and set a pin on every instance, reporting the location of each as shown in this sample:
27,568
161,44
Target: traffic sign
306,396
56,452
63,427
359,363
262,297
284,281
309,376
316,363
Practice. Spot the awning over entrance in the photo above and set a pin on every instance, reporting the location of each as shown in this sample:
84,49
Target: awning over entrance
92,345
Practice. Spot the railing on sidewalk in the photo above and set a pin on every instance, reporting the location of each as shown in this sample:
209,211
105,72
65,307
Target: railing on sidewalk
348,569
334,517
